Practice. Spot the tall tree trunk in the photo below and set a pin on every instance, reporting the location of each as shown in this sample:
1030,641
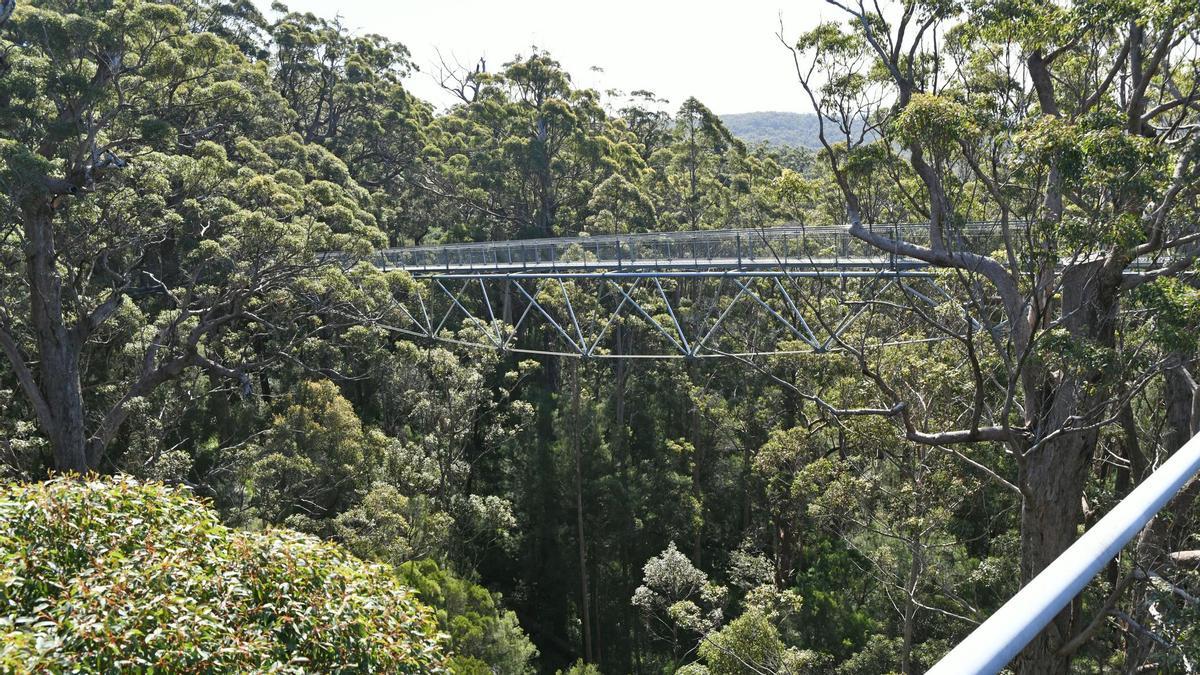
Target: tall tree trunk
910,603
64,396
577,450
58,347
697,441
544,219
1052,477
1052,480
624,457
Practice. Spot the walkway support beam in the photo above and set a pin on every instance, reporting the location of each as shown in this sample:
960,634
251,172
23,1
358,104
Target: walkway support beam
997,641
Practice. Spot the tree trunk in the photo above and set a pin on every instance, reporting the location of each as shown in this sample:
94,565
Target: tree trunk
624,457
1052,477
697,440
57,346
910,604
583,575
1052,480
64,396
544,219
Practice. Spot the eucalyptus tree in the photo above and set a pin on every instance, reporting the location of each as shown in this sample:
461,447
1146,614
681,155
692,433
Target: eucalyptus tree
346,94
1077,119
522,157
159,218
700,172
646,119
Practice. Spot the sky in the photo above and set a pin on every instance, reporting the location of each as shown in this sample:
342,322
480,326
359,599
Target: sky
723,53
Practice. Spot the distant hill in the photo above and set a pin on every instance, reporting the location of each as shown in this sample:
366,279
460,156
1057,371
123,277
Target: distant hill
776,128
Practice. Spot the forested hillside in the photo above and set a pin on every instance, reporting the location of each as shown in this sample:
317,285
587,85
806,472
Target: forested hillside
775,128
173,176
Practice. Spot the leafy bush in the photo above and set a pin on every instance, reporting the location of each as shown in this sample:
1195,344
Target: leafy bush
110,575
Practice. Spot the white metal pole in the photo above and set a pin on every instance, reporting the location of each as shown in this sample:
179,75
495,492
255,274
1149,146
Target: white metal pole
997,641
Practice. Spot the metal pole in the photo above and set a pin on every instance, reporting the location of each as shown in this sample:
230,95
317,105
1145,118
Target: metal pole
998,640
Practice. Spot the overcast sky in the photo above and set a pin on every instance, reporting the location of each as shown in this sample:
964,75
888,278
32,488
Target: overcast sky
724,53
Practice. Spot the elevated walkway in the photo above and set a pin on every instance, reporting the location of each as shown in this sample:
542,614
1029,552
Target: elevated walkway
784,249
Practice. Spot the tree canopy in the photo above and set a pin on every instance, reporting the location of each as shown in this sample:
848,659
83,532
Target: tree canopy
191,192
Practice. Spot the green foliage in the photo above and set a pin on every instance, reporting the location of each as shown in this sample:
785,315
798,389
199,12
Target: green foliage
581,668
750,643
1173,309
484,637
101,575
676,599
315,442
937,122
878,657
525,154
189,159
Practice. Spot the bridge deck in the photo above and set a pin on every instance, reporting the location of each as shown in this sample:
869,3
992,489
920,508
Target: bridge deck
705,294
665,268
784,249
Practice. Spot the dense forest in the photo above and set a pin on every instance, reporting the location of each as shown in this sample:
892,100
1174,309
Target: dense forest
173,176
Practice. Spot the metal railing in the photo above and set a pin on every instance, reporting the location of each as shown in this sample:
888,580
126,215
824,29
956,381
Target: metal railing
788,246
999,639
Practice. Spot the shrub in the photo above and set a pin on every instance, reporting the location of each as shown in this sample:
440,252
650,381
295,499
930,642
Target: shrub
113,575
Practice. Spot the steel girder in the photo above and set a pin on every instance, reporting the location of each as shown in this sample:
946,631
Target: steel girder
666,314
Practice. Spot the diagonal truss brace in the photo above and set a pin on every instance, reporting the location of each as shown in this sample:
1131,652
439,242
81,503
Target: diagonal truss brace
462,300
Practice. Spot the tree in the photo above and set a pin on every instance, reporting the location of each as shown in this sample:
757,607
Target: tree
1089,138
521,159
677,599
484,637
751,644
154,204
345,94
700,171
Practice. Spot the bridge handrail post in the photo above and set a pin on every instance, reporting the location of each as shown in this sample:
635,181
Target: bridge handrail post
896,238
738,239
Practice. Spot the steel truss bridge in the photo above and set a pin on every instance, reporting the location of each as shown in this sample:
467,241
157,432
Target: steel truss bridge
691,295
796,290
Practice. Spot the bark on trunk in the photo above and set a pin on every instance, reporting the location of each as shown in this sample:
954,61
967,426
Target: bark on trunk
65,398
583,575
1052,477
1052,481
58,346
910,604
